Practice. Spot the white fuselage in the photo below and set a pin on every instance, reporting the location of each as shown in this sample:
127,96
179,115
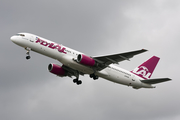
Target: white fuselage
68,58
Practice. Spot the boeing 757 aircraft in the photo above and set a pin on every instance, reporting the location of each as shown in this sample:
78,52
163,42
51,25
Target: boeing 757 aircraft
75,63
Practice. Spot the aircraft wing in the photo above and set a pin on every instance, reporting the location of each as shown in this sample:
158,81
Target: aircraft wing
155,81
71,72
115,58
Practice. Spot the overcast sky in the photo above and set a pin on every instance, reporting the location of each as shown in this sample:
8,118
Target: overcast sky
95,27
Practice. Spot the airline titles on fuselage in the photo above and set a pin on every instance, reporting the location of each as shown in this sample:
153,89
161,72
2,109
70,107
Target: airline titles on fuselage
51,45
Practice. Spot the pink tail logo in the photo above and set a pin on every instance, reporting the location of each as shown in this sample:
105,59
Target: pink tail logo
142,71
146,69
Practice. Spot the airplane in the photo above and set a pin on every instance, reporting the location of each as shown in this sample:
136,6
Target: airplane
75,63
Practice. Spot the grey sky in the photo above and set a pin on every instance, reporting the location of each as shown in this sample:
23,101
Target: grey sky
95,27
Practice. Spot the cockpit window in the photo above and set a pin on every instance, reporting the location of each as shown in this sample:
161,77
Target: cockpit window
20,35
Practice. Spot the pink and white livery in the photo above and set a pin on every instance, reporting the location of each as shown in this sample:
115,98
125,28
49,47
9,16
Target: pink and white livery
76,63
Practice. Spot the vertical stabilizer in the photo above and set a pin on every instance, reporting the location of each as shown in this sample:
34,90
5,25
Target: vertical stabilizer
146,69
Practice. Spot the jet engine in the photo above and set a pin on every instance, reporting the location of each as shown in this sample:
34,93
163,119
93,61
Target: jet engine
57,70
85,60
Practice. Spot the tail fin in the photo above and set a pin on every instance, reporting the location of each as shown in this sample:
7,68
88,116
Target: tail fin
146,69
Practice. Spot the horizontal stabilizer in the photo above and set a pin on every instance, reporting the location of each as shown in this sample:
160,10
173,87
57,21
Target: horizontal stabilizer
155,81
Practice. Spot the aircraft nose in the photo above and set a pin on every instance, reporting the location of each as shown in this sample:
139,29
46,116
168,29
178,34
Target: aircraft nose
13,38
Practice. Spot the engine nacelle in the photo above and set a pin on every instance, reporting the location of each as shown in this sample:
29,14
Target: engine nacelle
85,60
56,69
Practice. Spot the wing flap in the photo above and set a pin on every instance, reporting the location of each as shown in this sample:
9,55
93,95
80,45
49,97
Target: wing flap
155,81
